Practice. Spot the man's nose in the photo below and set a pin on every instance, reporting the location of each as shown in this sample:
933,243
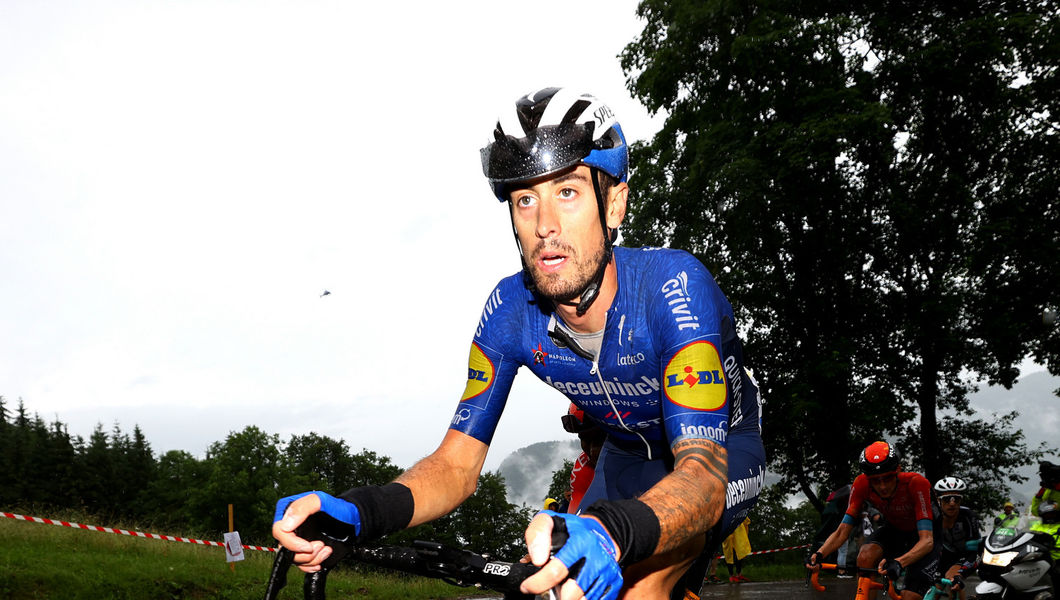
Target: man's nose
547,220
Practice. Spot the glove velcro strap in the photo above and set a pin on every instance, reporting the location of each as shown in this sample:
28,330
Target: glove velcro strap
384,509
632,524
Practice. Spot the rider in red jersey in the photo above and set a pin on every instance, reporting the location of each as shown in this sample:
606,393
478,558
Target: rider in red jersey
592,441
906,538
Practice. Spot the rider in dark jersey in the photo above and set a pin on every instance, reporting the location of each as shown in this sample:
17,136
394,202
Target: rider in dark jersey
957,531
642,340
906,539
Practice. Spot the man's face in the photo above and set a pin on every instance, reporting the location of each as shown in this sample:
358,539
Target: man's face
950,504
557,221
884,484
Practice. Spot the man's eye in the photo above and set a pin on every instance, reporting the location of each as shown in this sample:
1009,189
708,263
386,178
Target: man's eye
568,193
524,200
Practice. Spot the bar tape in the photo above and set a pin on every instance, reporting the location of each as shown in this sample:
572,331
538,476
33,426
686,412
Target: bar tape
153,536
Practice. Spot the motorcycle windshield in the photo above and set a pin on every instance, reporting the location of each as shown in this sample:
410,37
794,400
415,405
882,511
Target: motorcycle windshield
1002,537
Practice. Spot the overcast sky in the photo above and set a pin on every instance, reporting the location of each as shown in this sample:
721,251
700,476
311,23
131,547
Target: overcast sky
181,181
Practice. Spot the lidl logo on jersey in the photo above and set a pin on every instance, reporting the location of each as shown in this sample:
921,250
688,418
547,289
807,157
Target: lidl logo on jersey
694,377
479,373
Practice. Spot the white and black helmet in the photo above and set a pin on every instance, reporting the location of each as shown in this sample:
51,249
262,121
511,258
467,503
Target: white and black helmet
546,132
950,485
550,130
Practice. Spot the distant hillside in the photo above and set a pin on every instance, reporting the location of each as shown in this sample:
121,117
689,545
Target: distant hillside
1038,406
528,471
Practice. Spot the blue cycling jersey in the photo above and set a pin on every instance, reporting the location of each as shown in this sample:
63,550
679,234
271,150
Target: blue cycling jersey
670,366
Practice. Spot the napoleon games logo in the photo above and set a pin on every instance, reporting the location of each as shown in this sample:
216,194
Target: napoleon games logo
539,355
694,377
479,373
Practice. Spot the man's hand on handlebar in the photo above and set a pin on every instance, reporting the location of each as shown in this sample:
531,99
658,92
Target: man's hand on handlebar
891,568
586,564
291,513
814,560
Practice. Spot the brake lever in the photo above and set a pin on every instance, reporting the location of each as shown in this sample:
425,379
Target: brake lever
278,576
315,585
559,534
335,534
318,526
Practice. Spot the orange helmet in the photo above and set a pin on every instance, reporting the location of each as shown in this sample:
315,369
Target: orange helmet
879,458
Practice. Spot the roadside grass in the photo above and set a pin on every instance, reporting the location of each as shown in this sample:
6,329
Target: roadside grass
47,561
772,571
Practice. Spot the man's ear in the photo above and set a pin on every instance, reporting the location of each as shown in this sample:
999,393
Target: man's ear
616,205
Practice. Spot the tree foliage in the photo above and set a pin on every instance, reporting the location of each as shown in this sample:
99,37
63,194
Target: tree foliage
874,186
560,484
115,477
774,524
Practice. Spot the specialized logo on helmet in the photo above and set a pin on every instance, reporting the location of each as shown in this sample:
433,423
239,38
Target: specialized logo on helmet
694,377
479,373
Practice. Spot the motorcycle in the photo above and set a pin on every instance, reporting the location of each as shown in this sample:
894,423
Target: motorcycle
1015,564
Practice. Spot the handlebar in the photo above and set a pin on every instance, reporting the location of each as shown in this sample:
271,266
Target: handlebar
427,559
864,578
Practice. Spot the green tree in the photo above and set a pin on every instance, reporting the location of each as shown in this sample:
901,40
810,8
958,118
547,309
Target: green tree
247,470
319,462
59,458
96,464
774,524
368,468
20,450
486,522
171,495
561,481
846,171
6,467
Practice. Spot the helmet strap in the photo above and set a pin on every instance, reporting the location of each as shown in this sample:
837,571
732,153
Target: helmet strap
592,289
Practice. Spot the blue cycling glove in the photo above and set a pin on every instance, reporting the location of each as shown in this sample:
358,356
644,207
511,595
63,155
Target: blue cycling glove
589,555
336,508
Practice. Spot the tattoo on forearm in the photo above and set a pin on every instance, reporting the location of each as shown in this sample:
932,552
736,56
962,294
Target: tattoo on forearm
703,456
692,497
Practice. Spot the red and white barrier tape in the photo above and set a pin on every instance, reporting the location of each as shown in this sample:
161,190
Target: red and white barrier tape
771,551
170,538
780,549
153,536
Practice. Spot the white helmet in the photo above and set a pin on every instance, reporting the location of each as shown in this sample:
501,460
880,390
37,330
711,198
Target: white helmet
950,485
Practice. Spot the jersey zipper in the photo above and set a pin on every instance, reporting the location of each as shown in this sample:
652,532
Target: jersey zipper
603,386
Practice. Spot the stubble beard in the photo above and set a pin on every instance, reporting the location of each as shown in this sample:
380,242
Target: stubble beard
558,287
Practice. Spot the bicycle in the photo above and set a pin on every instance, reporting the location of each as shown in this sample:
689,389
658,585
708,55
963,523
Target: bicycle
939,590
866,583
428,559
942,585
935,593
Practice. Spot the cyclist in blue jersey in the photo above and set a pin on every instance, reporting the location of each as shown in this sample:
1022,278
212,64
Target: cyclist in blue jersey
642,340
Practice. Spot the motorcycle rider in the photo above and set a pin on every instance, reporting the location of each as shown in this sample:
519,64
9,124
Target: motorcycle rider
956,525
1049,511
1009,516
1050,486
